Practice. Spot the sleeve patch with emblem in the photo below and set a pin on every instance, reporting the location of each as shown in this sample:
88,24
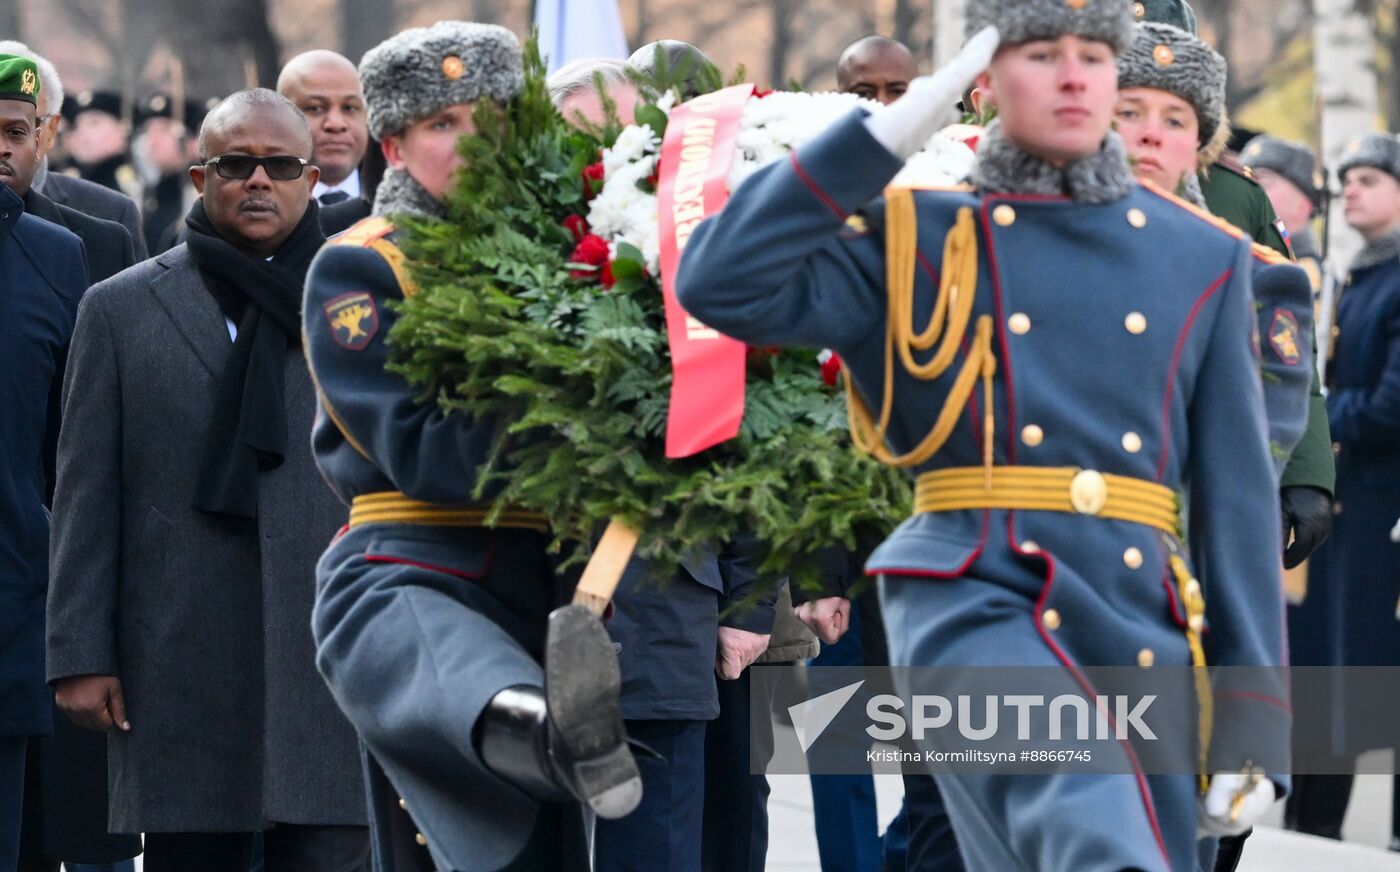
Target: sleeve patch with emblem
1283,337
354,320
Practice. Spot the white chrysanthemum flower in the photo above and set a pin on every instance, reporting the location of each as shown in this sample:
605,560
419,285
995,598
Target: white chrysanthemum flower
769,130
634,143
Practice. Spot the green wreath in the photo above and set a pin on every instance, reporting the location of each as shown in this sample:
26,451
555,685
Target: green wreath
505,328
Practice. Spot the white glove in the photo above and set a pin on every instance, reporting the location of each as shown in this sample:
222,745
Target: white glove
906,125
1214,817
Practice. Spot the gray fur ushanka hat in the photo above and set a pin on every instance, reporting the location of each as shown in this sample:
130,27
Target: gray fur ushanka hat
1109,21
424,70
1169,59
1291,160
1379,150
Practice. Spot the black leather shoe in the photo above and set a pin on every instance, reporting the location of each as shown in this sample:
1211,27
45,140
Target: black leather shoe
567,741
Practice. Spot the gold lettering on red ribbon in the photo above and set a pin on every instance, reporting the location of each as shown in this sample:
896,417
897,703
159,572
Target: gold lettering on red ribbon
707,390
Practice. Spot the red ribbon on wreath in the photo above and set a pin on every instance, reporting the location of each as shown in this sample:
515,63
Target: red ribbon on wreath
707,392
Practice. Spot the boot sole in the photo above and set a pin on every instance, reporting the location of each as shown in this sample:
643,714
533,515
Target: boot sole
582,686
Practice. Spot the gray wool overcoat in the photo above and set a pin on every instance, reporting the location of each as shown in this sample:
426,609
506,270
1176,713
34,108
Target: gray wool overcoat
207,622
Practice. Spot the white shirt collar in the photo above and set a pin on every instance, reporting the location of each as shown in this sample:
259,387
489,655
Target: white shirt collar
351,186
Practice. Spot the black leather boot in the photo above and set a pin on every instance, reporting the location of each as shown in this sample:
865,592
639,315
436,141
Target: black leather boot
566,741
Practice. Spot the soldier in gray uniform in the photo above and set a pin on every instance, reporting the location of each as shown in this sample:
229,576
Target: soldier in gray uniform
1290,174
1107,369
488,715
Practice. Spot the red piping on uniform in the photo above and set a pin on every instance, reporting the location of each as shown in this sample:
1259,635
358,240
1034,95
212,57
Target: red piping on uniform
1005,365
815,188
1257,697
1171,598
1176,361
434,567
1088,688
933,573
1143,790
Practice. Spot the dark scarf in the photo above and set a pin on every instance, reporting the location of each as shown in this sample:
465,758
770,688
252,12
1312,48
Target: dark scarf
248,430
1003,168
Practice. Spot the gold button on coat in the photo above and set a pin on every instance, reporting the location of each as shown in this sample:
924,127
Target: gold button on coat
1088,492
403,803
1019,323
1030,547
421,839
1136,322
1132,558
1146,658
1032,435
1132,442
1137,218
1004,215
1051,619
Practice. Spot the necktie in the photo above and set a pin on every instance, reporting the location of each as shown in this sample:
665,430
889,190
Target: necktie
330,198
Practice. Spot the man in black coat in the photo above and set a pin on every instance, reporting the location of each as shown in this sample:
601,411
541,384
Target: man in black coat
65,790
182,561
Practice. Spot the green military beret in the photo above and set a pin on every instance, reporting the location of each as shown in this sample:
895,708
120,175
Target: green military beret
1172,60
1109,21
1379,150
19,79
1177,13
424,70
1291,160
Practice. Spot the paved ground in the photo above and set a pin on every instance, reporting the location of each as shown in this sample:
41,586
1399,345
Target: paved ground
793,846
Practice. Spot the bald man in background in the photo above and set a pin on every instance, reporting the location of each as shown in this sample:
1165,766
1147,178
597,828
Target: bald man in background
876,68
325,86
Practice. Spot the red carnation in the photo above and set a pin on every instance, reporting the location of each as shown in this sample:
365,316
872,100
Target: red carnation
606,277
591,251
831,369
593,176
577,226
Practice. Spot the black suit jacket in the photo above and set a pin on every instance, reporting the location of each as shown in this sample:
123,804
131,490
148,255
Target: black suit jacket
99,202
107,244
107,249
342,216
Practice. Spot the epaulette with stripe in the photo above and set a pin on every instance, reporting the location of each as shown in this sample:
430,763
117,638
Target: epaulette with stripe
1230,165
369,233
1261,252
365,231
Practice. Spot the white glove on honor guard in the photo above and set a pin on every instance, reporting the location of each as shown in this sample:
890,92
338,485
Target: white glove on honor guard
1233,804
905,126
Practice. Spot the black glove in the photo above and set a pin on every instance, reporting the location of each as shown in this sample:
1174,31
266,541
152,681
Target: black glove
1307,514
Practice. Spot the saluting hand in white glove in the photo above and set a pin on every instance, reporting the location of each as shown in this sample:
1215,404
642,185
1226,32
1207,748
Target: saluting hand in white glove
1233,804
907,124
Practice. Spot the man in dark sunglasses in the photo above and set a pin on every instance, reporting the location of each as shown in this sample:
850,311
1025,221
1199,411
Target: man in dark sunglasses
184,457
255,179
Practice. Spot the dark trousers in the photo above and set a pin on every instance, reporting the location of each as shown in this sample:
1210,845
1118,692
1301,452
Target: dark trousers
843,806
664,832
736,802
12,750
1317,805
285,848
